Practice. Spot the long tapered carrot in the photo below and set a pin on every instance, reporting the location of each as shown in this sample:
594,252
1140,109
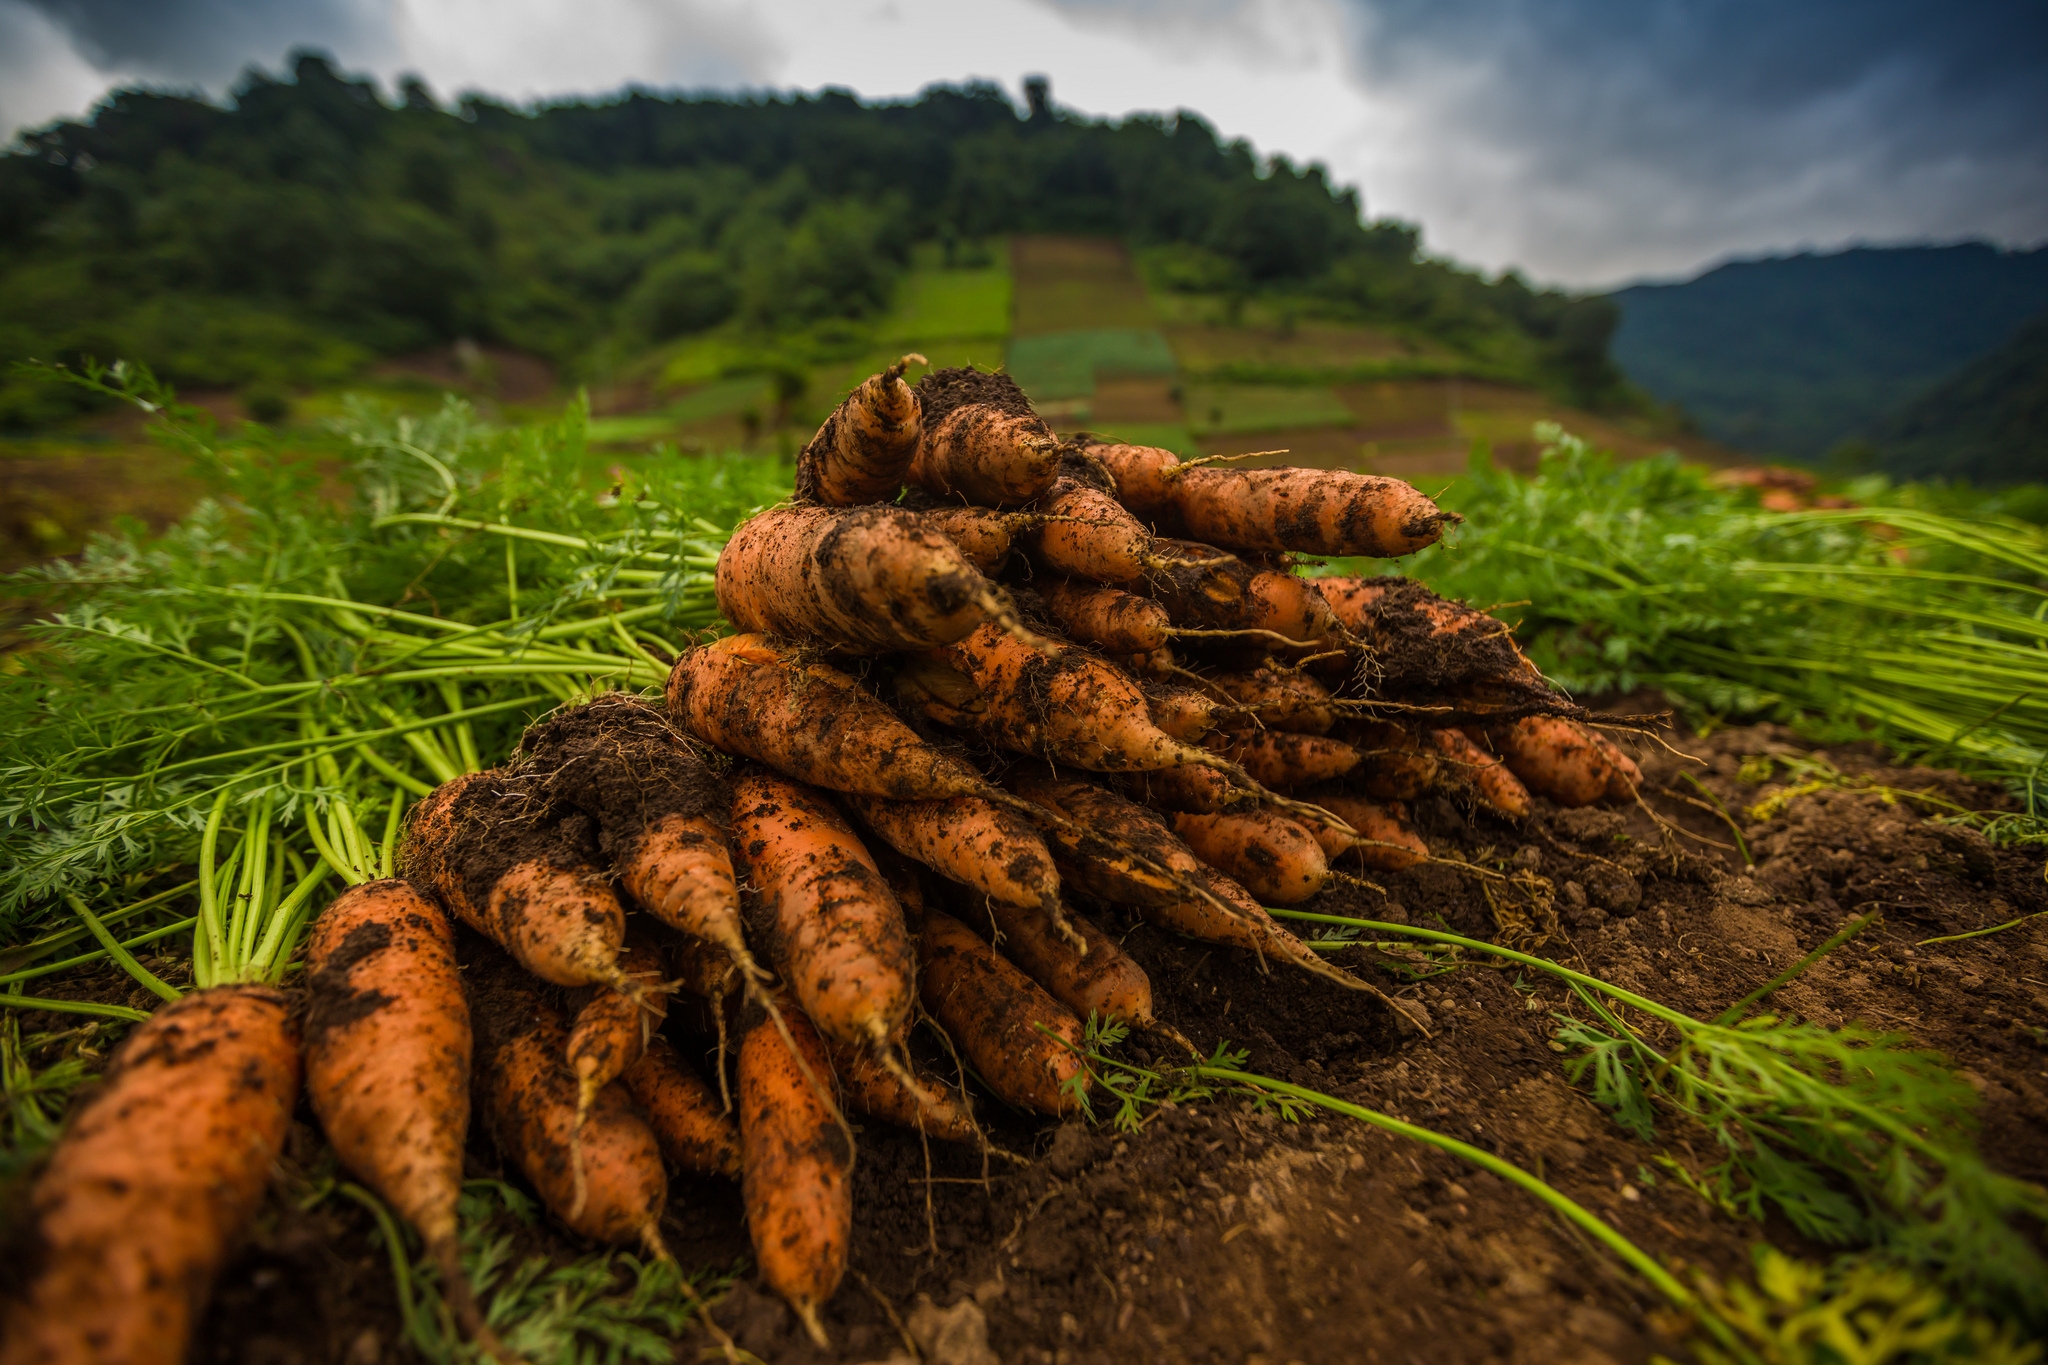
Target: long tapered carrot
1465,764
694,1131
154,1180
1285,761
603,1178
1382,838
832,926
982,442
751,696
1100,979
1004,1023
1310,511
970,841
863,451
388,1064
1273,857
933,1107
868,580
795,1161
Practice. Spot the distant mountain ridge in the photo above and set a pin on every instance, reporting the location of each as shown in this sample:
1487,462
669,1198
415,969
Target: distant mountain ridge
1987,423
1789,356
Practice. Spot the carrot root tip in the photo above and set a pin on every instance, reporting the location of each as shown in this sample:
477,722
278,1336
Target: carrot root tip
807,1313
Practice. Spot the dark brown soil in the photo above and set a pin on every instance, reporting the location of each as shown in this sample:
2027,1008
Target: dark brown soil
941,391
1218,1233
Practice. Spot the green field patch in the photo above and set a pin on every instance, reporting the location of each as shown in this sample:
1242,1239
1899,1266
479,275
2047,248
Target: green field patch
1225,409
1067,284
722,398
934,301
1166,435
1065,364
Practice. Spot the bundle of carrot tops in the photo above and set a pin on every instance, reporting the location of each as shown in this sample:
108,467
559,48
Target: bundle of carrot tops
987,687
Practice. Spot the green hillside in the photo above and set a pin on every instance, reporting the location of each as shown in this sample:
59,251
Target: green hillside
295,238
1988,422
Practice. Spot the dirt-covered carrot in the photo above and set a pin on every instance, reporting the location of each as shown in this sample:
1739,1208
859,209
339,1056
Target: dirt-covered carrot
612,1027
1273,857
864,449
749,695
1464,763
1207,590
1310,511
970,841
1247,925
1066,706
1283,698
1422,641
1626,776
1557,758
1107,618
983,534
154,1181
982,442
796,1159
526,1096
1285,761
831,925
999,1018
1189,715
694,1130
867,580
1197,789
873,1090
1394,763
1102,981
1382,838
387,1063
1143,863
525,882
1088,533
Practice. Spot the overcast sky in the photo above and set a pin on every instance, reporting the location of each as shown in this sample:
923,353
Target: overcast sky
1588,142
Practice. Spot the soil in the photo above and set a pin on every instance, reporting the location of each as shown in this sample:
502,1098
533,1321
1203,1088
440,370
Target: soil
1218,1233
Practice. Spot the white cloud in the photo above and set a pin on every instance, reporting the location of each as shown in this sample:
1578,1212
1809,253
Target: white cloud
42,77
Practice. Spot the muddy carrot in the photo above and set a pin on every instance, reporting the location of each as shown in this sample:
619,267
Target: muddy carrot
1273,857
1285,761
982,442
1009,1029
873,1090
1102,981
1106,618
969,841
1483,773
1394,765
1281,698
1382,840
1557,758
688,1121
983,534
612,1028
864,449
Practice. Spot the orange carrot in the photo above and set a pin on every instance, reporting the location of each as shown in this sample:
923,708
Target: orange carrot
1491,784
1557,758
693,1130
1188,715
1207,590
1102,981
1625,775
1109,619
864,449
795,1159
528,1101
1000,1019
387,1064
611,1029
748,695
983,534
1203,790
531,888
1384,841
1273,857
1394,765
834,930
1420,640
1140,862
154,1180
1089,535
969,841
875,1091
1282,698
1284,761
982,442
1310,511
869,580
1247,925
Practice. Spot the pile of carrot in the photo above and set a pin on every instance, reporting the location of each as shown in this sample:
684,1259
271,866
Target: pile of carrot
988,688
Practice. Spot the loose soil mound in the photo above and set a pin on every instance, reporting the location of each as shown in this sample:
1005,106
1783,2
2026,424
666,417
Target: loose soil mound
1221,1234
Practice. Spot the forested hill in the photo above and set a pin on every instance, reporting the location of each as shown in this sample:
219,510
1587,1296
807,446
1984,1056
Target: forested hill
1794,355
312,225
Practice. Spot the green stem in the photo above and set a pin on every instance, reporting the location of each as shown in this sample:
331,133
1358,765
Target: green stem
1570,1209
13,1001
1980,933
50,969
392,773
156,984
1791,973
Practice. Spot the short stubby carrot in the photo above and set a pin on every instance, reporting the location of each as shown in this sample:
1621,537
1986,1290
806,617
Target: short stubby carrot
1020,1040
863,451
1421,641
1206,590
832,927
611,1028
531,886
602,1177
1273,857
1196,789
1309,511
694,1131
795,1160
1189,715
1106,618
1284,761
388,1062
970,841
982,443
867,580
749,695
1483,773
983,534
1283,698
1559,759
1394,764
1089,535
155,1179
1382,839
